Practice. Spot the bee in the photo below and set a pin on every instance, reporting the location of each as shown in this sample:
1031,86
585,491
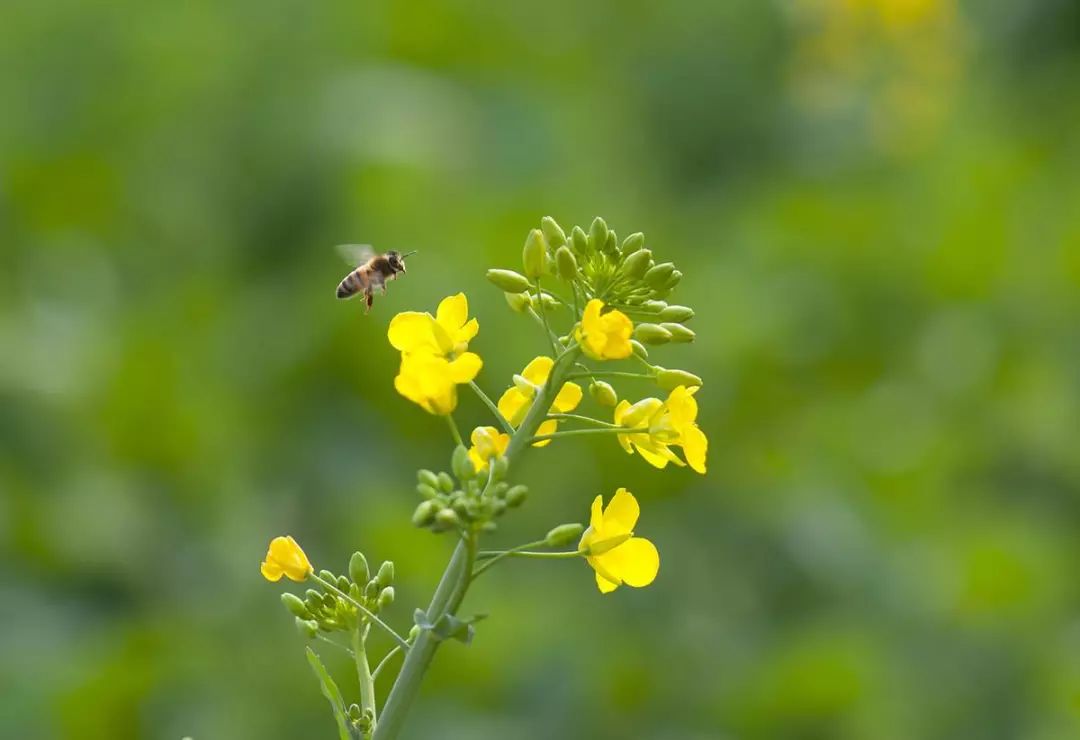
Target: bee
372,271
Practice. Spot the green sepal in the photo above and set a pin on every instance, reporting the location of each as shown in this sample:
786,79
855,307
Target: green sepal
449,627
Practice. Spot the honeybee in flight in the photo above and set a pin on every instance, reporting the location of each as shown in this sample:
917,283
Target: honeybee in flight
372,271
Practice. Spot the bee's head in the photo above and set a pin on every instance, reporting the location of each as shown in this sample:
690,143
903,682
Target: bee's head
396,261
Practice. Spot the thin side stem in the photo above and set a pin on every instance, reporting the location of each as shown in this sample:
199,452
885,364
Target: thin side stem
589,419
453,429
363,610
574,432
492,407
543,317
386,659
608,374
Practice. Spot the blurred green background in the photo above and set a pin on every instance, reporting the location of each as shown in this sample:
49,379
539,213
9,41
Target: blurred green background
875,203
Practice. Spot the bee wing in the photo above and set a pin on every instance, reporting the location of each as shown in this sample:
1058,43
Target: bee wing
356,254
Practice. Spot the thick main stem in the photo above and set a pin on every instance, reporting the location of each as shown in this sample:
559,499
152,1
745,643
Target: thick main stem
363,670
456,578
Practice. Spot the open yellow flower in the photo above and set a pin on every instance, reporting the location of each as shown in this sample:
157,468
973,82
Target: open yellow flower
447,333
611,548
284,557
516,401
604,336
487,443
664,424
431,381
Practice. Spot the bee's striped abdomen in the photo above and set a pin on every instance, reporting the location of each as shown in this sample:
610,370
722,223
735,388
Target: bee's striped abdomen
351,285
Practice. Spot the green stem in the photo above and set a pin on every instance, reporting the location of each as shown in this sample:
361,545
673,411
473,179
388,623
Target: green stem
492,407
363,670
386,659
608,374
516,553
579,417
574,432
458,574
453,429
543,316
363,610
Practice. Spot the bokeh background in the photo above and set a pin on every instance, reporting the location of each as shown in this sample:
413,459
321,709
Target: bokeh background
875,203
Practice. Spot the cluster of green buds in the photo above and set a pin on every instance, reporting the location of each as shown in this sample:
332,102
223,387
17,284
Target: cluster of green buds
328,610
468,500
595,264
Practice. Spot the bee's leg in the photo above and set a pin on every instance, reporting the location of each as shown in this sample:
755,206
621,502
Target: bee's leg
368,298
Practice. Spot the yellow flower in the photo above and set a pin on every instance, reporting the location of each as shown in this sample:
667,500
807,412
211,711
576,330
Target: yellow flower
284,557
607,336
517,400
487,443
431,380
664,424
447,333
611,548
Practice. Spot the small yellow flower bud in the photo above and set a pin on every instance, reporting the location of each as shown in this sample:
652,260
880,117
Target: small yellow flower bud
385,576
533,255
508,280
516,495
549,302
658,274
386,597
637,263
295,605
652,334
284,557
603,393
679,333
424,514
677,314
554,234
518,302
633,243
563,534
565,263
669,380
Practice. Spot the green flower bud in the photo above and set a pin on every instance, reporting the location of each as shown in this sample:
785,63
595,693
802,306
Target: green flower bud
563,534
533,256
371,591
386,597
673,280
328,576
639,349
611,246
671,379
354,712
295,605
637,264
461,464
518,302
385,576
554,234
426,491
565,263
498,507
307,628
579,241
598,234
658,274
413,632
424,514
343,583
313,601
655,306
448,519
499,489
488,527
446,483
677,314
356,592
516,495
633,243
652,334
549,302
508,280
500,468
680,333
603,393
428,478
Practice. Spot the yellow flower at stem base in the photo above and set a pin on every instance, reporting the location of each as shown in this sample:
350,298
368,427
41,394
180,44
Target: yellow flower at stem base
447,333
611,548
517,400
487,443
431,381
664,424
284,557
605,336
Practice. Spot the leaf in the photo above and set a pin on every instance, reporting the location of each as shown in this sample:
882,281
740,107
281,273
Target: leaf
332,693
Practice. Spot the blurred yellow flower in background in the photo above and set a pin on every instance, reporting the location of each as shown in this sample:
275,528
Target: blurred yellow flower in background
431,380
611,548
487,443
516,401
284,557
447,333
669,423
606,336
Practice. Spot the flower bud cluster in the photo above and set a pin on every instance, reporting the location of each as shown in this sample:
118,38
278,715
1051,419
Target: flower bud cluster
327,611
468,499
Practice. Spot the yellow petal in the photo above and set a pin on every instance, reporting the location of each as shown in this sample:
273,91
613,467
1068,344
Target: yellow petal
604,584
271,571
568,398
537,371
548,427
467,332
621,513
620,411
695,444
636,562
452,313
465,367
479,462
596,514
513,405
411,331
651,452
602,565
